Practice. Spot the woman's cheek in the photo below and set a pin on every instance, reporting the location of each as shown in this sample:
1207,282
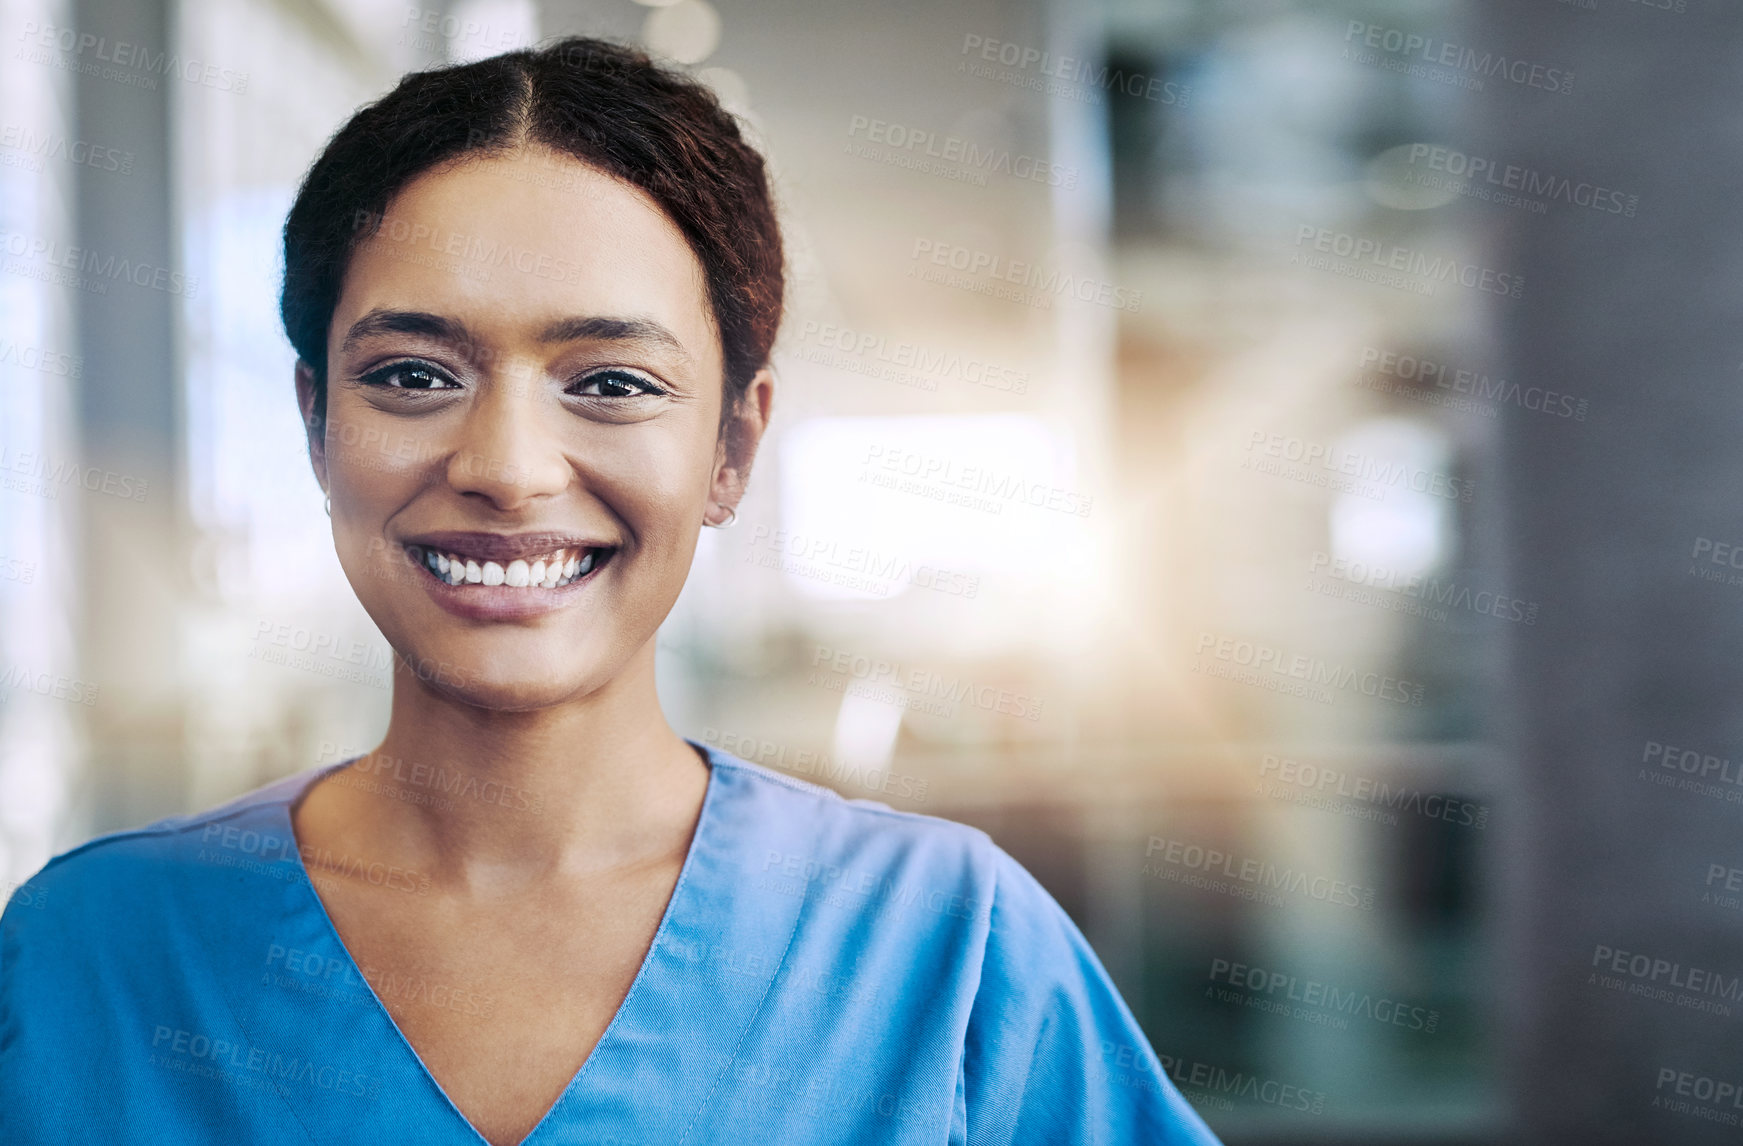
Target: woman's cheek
656,490
365,448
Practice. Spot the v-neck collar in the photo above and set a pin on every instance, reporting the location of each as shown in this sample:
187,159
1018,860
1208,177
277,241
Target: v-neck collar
306,900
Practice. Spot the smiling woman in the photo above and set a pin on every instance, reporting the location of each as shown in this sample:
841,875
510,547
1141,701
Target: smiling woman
533,300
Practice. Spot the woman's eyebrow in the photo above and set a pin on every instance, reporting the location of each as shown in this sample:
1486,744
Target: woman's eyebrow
381,321
590,328
603,328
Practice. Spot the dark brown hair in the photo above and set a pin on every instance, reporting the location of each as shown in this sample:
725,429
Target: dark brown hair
605,104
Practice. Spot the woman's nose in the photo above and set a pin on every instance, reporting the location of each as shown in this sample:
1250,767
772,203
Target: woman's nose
508,450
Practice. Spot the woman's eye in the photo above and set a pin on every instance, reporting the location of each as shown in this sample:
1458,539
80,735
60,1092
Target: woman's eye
614,384
410,376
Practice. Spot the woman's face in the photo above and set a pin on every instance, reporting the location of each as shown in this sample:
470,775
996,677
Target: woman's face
523,404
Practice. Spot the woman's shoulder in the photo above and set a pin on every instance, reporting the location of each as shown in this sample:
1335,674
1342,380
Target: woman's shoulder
821,812
807,831
129,869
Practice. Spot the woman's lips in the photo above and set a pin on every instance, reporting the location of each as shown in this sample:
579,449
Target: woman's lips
503,547
469,584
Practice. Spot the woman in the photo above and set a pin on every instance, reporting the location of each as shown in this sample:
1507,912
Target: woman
533,300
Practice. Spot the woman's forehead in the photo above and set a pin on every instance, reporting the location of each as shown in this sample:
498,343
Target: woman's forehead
523,238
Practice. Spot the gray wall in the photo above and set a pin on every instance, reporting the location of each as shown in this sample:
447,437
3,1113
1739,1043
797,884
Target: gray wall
1641,317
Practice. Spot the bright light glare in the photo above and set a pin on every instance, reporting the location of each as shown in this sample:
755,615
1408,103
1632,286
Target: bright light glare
865,732
480,28
1408,532
920,495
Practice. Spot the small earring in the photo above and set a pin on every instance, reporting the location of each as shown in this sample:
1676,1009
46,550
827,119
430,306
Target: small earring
731,516
329,505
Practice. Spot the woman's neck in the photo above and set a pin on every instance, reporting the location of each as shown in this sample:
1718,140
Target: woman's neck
487,801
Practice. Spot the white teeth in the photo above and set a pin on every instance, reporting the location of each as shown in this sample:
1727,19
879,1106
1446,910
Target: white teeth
548,572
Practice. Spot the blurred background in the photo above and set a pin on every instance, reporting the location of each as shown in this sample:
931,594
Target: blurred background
1270,464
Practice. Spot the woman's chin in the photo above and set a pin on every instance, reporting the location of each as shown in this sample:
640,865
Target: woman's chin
503,683
508,694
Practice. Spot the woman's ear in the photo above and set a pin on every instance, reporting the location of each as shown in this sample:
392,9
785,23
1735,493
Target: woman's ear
314,427
739,436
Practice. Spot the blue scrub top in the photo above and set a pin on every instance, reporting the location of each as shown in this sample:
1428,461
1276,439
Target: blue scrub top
827,971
